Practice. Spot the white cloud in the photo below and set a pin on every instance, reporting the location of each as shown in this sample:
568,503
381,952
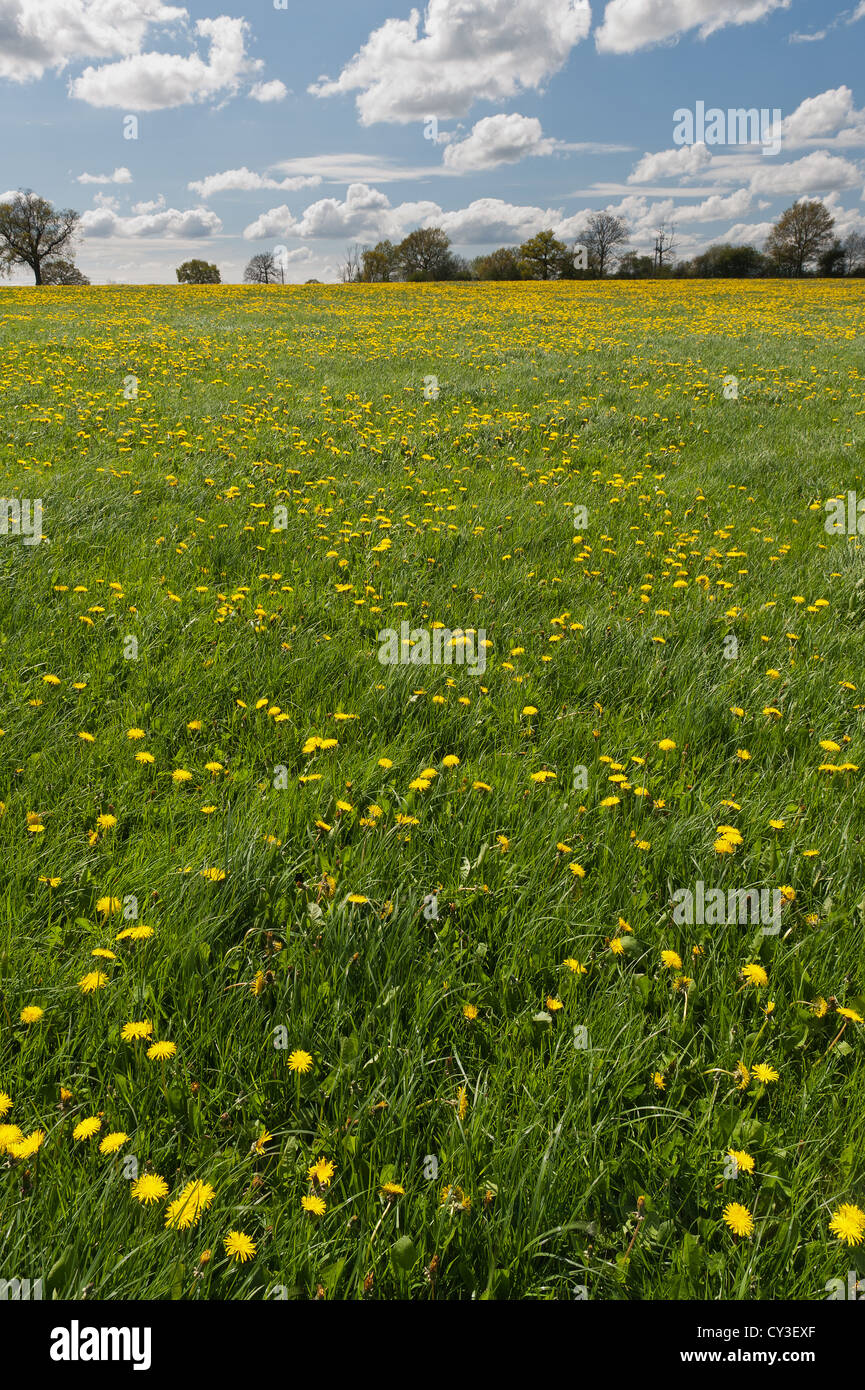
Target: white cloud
491,219
496,140
246,180
364,212
809,38
813,173
269,91
745,233
632,24
829,118
167,222
154,205
468,51
716,207
684,162
120,175
156,81
39,34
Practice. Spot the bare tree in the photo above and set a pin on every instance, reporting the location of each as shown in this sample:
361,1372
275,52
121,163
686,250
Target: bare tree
665,243
854,253
604,233
262,269
351,265
33,232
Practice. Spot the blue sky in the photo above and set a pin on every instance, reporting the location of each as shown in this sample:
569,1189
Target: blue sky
306,127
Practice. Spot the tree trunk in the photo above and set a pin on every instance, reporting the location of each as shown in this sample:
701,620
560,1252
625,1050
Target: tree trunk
37,271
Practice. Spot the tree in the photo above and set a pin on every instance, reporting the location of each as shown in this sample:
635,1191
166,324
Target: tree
800,234
198,273
833,260
349,268
62,272
425,255
380,263
32,231
632,266
728,261
262,269
603,234
543,255
854,253
665,243
503,264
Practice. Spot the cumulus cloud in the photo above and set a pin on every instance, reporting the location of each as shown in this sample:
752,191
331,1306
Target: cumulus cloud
120,175
269,91
829,118
39,34
503,139
156,81
167,222
245,180
820,172
467,51
684,162
632,24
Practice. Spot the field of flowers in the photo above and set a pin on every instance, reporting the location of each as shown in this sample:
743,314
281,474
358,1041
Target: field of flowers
326,977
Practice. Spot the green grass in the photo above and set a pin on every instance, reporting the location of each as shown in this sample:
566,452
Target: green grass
608,397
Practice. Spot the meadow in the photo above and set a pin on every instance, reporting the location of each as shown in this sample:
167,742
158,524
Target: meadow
327,978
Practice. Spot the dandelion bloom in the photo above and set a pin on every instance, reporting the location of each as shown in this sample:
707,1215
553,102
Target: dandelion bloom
321,1171
86,1128
27,1146
450,760
92,981
161,1051
5,1104
667,745
109,907
357,898
392,1189
9,1134
671,960
316,1206
470,1012
180,774
150,1187
754,974
848,1224
658,1081
739,1219
765,1073
743,1161
239,1247
134,1032
114,1141
144,758
186,1209
300,1061
31,1014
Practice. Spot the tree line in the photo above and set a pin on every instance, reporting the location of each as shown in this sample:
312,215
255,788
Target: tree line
802,242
